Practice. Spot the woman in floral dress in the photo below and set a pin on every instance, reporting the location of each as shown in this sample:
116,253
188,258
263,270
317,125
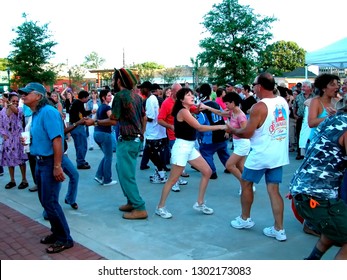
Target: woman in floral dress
11,126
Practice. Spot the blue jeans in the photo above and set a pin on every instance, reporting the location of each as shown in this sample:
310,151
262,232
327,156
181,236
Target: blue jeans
127,153
48,192
71,171
104,140
208,150
79,136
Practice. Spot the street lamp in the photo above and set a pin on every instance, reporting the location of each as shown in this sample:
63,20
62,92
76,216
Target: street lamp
8,78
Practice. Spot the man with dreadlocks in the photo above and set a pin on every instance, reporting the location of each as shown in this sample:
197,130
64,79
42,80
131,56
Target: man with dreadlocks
128,111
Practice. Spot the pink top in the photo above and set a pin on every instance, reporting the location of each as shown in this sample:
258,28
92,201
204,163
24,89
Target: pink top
236,121
220,102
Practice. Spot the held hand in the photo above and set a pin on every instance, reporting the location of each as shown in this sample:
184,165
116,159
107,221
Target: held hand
81,121
331,111
202,107
88,121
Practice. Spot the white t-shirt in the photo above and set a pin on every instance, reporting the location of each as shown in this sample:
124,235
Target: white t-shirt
154,130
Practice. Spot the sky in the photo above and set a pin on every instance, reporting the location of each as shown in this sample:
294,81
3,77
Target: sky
163,31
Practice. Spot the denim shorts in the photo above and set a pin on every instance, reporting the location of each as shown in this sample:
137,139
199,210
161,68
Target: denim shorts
273,175
241,147
183,151
329,217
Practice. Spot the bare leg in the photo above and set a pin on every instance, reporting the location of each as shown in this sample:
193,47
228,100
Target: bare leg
175,174
235,165
276,204
247,198
201,165
23,170
11,172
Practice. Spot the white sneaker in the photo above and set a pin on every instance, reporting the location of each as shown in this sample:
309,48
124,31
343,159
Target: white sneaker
176,187
203,208
182,182
111,183
239,223
156,179
163,212
98,180
280,235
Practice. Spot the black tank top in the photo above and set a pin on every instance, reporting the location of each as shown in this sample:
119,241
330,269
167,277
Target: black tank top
184,131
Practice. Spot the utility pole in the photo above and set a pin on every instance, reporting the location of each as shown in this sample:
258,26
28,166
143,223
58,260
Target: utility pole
123,58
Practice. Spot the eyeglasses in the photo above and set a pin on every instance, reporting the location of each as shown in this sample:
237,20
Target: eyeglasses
26,93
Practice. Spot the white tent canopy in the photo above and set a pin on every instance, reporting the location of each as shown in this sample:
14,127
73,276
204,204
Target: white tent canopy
334,55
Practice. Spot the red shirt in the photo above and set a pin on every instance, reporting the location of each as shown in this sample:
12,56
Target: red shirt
165,115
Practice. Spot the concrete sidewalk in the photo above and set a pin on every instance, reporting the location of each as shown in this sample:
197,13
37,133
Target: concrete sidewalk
97,226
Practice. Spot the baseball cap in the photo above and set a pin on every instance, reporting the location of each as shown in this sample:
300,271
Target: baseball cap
299,85
33,87
155,87
146,84
229,84
238,86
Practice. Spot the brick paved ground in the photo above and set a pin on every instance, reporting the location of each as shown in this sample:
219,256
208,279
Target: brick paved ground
20,235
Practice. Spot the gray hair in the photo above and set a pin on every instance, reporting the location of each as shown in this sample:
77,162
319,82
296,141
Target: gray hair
307,83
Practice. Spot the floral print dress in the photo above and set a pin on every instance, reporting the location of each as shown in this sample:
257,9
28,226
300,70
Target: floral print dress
12,153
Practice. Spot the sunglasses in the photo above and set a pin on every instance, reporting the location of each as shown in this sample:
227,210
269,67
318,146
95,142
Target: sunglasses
26,93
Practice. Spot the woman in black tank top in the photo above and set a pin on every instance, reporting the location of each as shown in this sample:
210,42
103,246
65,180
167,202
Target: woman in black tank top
184,151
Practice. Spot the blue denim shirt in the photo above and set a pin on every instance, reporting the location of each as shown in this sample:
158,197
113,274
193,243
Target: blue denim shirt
46,125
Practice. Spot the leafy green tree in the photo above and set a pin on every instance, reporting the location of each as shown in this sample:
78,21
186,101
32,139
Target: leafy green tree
93,61
77,74
282,56
236,36
147,70
170,75
32,51
3,64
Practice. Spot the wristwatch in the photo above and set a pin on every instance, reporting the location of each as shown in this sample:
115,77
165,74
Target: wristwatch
96,123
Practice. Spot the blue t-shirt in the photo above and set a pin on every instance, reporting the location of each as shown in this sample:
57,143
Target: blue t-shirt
46,125
101,114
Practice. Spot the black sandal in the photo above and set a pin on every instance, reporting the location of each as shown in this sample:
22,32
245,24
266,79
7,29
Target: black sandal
73,205
58,247
10,185
23,185
49,239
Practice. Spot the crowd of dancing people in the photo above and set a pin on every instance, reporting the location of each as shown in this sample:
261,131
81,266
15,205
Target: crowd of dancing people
176,127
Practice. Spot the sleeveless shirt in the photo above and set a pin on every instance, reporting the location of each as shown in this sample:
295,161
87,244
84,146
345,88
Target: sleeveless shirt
184,131
270,142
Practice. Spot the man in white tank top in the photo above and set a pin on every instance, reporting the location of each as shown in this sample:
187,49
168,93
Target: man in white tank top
267,128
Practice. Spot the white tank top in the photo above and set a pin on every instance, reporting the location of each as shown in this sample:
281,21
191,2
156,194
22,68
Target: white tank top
269,143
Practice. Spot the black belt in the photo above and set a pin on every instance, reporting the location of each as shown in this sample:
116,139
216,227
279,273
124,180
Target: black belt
43,157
